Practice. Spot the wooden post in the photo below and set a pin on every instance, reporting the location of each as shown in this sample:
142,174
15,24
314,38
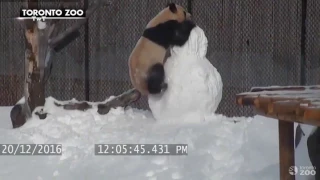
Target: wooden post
36,53
35,81
286,149
41,39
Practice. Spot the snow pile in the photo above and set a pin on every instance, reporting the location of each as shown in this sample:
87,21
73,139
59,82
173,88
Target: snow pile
194,84
41,24
218,149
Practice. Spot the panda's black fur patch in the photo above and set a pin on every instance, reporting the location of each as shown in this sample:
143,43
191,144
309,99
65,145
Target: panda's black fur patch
172,7
182,33
155,79
166,34
170,33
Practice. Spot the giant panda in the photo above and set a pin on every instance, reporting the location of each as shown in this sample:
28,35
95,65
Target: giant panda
170,27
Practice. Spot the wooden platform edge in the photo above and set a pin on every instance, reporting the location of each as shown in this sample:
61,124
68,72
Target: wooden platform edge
288,109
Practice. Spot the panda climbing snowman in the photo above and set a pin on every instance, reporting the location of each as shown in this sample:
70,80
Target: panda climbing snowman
194,84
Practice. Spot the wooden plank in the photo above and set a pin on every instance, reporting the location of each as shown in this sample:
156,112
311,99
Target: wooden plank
283,88
286,149
288,104
311,114
245,100
289,118
285,107
293,88
294,106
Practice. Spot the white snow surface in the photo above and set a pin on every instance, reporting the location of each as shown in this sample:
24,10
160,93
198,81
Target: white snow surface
218,149
194,84
41,24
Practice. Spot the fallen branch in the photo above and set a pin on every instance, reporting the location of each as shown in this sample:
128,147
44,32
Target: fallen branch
81,106
123,100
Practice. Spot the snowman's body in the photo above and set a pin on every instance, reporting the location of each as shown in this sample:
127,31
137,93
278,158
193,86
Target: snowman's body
194,84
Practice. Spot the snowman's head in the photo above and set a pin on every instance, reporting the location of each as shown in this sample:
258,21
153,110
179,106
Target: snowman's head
196,45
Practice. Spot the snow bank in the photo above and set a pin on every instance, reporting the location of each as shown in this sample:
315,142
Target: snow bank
194,84
218,148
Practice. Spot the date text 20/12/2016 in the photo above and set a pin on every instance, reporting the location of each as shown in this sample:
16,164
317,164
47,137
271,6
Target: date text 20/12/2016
31,149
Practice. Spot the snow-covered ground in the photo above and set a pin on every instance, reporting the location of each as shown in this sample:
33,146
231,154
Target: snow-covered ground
218,149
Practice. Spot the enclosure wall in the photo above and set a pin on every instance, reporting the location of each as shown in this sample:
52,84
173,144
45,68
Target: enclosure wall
251,43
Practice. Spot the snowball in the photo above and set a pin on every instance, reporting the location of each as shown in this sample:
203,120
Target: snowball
194,84
41,24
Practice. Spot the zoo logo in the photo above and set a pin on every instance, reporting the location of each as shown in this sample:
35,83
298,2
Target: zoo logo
293,170
304,171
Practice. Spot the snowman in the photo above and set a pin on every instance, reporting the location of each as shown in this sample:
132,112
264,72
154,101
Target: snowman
194,84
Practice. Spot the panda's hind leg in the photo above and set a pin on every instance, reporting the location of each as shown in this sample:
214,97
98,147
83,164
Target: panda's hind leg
155,80
182,33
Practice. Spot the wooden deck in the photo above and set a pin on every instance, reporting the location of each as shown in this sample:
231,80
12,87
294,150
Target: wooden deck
288,104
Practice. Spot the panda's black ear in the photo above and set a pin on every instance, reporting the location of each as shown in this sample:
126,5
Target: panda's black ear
172,7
